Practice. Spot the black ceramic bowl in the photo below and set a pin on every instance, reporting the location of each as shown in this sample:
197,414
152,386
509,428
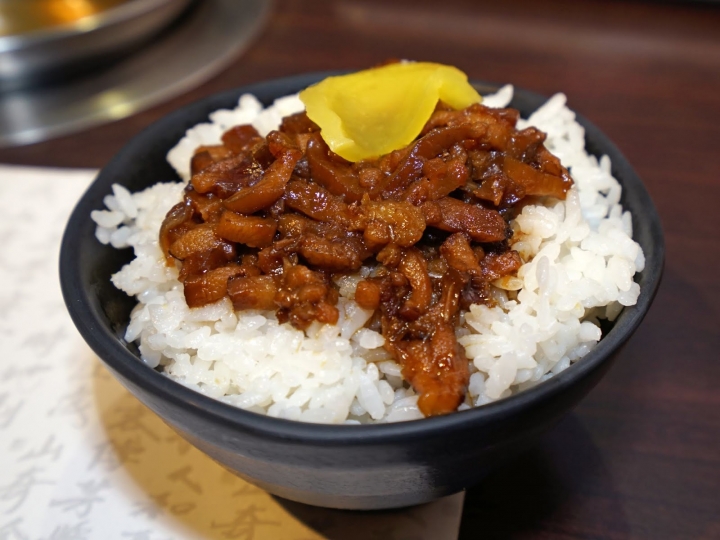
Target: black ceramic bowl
354,467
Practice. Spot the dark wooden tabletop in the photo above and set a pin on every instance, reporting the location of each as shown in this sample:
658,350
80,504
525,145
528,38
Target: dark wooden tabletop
640,457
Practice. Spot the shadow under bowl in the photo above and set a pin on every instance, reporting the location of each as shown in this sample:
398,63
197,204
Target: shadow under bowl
351,467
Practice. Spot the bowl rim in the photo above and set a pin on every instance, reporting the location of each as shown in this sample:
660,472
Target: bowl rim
122,361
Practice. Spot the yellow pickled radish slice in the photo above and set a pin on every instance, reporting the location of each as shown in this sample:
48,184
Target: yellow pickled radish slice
372,112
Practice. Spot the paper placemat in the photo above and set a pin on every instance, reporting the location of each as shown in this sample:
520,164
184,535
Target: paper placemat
82,459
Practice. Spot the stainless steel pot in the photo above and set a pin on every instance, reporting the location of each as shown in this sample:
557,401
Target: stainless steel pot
52,39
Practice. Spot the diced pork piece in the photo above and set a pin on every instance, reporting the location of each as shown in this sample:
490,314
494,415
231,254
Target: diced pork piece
478,222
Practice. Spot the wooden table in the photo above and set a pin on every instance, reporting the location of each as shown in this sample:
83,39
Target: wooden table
640,457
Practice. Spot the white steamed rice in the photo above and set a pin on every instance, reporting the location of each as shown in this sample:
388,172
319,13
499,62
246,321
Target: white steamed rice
580,262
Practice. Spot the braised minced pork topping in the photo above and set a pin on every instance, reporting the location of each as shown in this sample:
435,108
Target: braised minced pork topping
270,222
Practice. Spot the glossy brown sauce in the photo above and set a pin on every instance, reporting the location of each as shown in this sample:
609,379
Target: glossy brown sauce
270,221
